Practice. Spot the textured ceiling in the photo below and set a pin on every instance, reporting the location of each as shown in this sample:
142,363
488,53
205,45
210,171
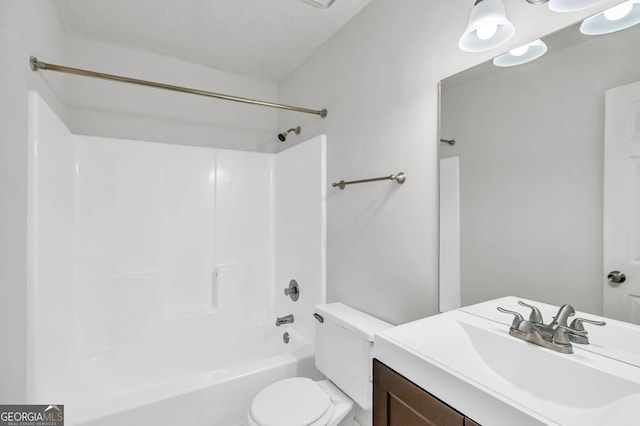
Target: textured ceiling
261,38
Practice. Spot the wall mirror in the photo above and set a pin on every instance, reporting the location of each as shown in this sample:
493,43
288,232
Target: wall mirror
529,147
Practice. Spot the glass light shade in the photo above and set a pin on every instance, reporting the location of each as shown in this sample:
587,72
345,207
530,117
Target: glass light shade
521,55
572,5
485,15
600,24
618,12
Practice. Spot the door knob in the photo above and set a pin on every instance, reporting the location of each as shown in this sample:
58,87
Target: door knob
616,277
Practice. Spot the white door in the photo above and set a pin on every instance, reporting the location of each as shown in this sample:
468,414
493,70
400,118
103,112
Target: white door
622,203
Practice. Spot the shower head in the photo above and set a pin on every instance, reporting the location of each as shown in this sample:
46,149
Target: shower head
283,136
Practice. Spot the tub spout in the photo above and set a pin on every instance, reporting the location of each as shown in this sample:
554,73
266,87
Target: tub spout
287,319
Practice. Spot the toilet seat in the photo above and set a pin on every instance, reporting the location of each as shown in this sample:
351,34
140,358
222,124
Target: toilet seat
297,401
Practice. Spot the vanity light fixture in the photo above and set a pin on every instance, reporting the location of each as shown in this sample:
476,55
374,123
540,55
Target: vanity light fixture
617,18
521,55
488,27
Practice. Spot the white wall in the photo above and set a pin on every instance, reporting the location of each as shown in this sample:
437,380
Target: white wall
378,78
26,26
530,141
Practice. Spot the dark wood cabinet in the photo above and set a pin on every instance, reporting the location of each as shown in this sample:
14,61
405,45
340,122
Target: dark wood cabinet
399,402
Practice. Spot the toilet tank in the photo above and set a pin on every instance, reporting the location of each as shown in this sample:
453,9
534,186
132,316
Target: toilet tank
344,342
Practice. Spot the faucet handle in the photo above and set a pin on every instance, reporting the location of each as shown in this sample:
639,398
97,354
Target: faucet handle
293,291
561,335
535,316
517,320
576,324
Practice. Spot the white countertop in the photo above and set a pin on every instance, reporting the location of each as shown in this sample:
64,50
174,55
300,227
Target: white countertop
471,362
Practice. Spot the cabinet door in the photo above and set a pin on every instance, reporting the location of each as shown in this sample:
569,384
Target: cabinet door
398,402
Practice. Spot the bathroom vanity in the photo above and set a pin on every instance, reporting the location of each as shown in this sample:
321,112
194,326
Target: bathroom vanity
464,367
399,402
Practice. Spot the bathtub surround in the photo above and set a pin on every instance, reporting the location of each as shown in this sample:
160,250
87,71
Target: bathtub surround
156,270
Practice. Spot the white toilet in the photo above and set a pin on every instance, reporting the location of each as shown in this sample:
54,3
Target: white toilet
344,341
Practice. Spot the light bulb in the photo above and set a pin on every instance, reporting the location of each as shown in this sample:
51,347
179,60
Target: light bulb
521,55
485,32
519,51
618,12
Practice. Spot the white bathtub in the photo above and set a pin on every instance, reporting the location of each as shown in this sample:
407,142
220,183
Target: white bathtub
204,386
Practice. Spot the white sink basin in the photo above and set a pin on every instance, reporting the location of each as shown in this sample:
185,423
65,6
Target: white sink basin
567,381
475,366
618,340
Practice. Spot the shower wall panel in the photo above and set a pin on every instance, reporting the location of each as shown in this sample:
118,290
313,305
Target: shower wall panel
300,198
50,249
244,228
145,238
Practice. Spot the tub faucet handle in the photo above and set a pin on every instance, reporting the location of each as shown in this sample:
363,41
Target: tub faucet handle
293,291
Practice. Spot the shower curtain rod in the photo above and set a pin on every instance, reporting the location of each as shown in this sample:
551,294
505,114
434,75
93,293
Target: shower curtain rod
37,65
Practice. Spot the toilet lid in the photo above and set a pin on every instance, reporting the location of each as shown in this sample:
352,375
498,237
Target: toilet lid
295,401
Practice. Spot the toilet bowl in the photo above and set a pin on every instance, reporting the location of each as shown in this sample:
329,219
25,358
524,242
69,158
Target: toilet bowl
344,342
301,401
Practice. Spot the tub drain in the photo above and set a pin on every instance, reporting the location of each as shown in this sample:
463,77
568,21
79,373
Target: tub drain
285,337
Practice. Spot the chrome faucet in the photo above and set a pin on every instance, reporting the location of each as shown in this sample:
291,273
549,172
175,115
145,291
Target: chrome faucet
287,319
556,335
560,319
